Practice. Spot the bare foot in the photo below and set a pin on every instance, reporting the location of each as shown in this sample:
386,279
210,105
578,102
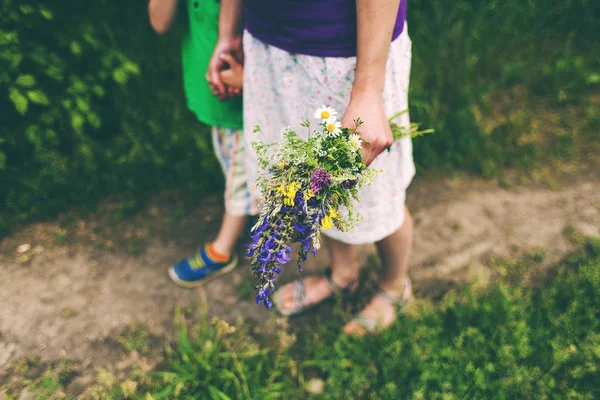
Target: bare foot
381,310
317,289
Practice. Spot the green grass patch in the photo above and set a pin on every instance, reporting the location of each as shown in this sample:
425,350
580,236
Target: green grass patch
503,341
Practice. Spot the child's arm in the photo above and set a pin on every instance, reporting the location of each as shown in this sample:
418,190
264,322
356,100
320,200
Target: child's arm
234,75
162,14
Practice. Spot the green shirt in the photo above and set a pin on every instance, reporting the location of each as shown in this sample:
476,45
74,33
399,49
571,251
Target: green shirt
197,47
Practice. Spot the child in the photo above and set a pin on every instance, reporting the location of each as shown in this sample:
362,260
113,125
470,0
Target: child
225,118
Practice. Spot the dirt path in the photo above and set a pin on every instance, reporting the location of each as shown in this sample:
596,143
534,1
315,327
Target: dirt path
73,298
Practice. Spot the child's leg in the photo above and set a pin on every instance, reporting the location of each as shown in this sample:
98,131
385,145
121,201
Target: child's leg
219,257
229,148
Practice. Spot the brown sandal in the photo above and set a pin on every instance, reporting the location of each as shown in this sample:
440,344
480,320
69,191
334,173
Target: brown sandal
302,302
369,323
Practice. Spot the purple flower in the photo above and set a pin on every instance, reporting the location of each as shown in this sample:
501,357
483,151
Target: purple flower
319,180
300,228
347,184
283,255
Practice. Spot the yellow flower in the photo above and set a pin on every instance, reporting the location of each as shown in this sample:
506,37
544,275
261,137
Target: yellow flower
292,189
281,189
326,222
309,194
288,201
332,213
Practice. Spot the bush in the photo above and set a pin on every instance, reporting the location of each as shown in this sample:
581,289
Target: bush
89,108
480,71
92,100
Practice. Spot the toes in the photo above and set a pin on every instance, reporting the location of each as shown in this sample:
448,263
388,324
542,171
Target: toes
354,329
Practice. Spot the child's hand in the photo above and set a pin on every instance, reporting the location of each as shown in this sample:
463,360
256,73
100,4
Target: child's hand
234,75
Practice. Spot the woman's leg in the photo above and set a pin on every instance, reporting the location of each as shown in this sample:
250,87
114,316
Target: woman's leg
394,252
344,269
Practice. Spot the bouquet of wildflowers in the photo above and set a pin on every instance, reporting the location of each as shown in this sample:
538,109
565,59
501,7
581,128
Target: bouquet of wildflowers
305,185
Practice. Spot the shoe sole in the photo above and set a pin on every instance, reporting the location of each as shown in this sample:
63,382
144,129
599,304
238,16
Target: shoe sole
189,285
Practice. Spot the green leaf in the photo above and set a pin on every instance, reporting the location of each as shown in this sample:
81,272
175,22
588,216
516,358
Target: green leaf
120,76
131,67
21,103
217,394
33,134
27,9
94,120
47,14
38,97
592,78
75,48
16,60
99,91
82,104
77,121
26,80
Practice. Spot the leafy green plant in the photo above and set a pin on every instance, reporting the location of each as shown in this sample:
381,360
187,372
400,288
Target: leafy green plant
497,342
219,361
90,107
85,112
136,338
481,72
53,381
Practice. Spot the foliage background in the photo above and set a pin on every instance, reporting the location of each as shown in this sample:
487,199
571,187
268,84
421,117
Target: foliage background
92,103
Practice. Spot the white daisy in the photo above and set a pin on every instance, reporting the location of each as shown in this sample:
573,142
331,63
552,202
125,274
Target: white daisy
325,113
333,127
356,141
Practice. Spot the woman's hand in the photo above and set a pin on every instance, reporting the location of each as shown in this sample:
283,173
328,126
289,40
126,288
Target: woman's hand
234,75
375,129
217,65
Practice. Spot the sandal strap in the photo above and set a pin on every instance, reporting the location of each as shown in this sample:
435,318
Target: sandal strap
366,322
301,300
395,300
340,289
369,323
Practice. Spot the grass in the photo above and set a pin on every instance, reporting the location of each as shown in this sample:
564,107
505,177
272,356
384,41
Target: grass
136,338
503,341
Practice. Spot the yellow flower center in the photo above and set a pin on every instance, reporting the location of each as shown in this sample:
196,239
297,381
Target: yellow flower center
330,127
325,114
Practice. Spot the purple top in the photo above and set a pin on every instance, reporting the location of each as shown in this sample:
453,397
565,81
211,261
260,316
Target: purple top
323,28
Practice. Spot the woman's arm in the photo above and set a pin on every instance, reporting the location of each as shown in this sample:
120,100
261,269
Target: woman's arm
230,41
375,23
162,14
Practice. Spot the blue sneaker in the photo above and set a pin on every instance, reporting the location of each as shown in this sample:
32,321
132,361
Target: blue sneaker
199,269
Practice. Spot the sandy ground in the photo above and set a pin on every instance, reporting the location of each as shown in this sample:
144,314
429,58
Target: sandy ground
72,300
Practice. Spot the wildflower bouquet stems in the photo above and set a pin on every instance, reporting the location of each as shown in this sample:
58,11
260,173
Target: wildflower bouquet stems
307,186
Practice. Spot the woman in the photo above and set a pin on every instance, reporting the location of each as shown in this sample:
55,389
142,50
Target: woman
354,56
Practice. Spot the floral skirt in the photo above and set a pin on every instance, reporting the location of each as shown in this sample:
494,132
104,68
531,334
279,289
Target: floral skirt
283,89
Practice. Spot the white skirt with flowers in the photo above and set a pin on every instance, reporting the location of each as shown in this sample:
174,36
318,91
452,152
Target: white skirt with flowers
283,89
